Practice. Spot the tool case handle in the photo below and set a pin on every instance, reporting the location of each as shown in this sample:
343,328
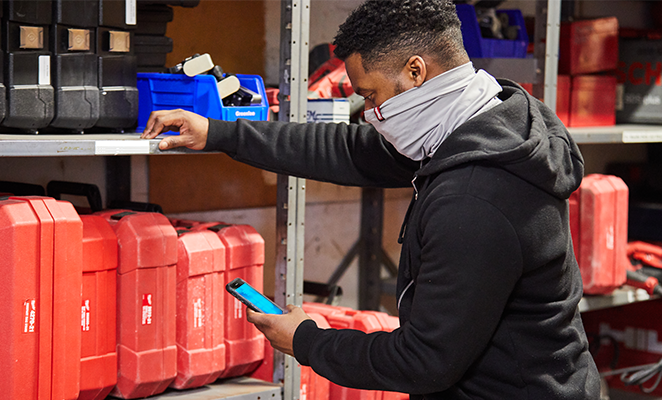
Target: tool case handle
136,206
22,189
91,192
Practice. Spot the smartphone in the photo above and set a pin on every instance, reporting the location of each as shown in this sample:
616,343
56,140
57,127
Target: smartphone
253,299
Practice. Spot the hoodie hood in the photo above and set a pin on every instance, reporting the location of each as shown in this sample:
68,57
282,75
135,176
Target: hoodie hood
522,136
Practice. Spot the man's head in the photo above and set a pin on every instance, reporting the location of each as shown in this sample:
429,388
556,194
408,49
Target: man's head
390,46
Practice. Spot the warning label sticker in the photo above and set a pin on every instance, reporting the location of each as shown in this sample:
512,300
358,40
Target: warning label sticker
147,309
85,316
30,307
198,313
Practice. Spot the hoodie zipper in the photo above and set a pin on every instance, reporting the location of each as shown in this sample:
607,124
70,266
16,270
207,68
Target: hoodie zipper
401,237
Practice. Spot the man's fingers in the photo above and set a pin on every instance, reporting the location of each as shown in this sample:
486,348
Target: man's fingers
173,141
162,121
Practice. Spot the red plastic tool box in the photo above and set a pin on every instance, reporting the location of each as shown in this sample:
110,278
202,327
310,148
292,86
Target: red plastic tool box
200,308
40,293
598,223
146,296
313,386
592,101
626,336
366,321
244,258
588,46
98,372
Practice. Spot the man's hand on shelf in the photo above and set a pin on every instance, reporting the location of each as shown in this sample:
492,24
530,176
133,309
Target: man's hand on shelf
192,129
279,329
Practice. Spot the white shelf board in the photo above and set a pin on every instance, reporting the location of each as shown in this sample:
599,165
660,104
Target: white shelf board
620,297
232,389
618,134
30,145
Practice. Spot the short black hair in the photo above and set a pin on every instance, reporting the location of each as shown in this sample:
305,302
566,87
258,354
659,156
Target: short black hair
394,30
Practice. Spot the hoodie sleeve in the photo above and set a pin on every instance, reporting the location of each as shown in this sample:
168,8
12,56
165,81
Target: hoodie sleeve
355,155
470,263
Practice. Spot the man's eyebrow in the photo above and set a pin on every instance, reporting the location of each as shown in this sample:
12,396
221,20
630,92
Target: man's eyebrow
359,91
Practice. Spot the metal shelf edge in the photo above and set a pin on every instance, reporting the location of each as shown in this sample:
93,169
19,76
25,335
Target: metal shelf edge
232,389
15,145
619,297
617,134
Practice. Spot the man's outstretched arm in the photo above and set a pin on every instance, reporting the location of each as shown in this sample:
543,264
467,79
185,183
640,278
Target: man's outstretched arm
344,154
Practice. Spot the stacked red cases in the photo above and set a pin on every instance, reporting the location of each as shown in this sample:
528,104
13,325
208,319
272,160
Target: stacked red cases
98,373
40,293
146,296
200,301
598,223
365,321
244,258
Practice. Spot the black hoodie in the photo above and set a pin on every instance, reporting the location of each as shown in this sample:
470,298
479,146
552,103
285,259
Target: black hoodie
488,284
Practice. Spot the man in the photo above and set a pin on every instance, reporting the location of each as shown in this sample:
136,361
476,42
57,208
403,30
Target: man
488,284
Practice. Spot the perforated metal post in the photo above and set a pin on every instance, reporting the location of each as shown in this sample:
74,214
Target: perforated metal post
295,17
548,29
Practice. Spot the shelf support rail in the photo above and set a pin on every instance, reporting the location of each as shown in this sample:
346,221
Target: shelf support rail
290,209
553,30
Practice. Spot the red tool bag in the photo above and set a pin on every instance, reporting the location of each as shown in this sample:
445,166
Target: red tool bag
146,296
598,224
40,294
98,371
244,258
200,307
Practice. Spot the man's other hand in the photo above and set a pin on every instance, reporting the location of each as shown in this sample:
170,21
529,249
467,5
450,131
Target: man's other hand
192,129
279,329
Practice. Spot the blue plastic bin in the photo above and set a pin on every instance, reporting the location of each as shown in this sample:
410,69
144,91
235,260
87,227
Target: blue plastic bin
198,94
479,47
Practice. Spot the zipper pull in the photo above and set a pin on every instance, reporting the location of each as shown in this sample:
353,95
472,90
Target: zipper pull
413,183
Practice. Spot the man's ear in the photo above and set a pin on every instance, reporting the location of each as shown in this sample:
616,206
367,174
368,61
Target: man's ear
416,70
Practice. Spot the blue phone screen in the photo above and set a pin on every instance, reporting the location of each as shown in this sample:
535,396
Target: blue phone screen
255,297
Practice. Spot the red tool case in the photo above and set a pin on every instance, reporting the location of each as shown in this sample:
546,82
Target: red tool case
98,373
365,321
588,46
626,336
40,293
200,306
313,386
598,224
244,258
146,295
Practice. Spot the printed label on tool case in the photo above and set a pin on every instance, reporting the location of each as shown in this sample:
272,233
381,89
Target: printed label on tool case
237,309
44,70
147,309
85,316
30,307
198,314
131,12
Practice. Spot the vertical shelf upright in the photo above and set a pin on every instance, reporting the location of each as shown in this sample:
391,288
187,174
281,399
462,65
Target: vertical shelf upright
291,192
